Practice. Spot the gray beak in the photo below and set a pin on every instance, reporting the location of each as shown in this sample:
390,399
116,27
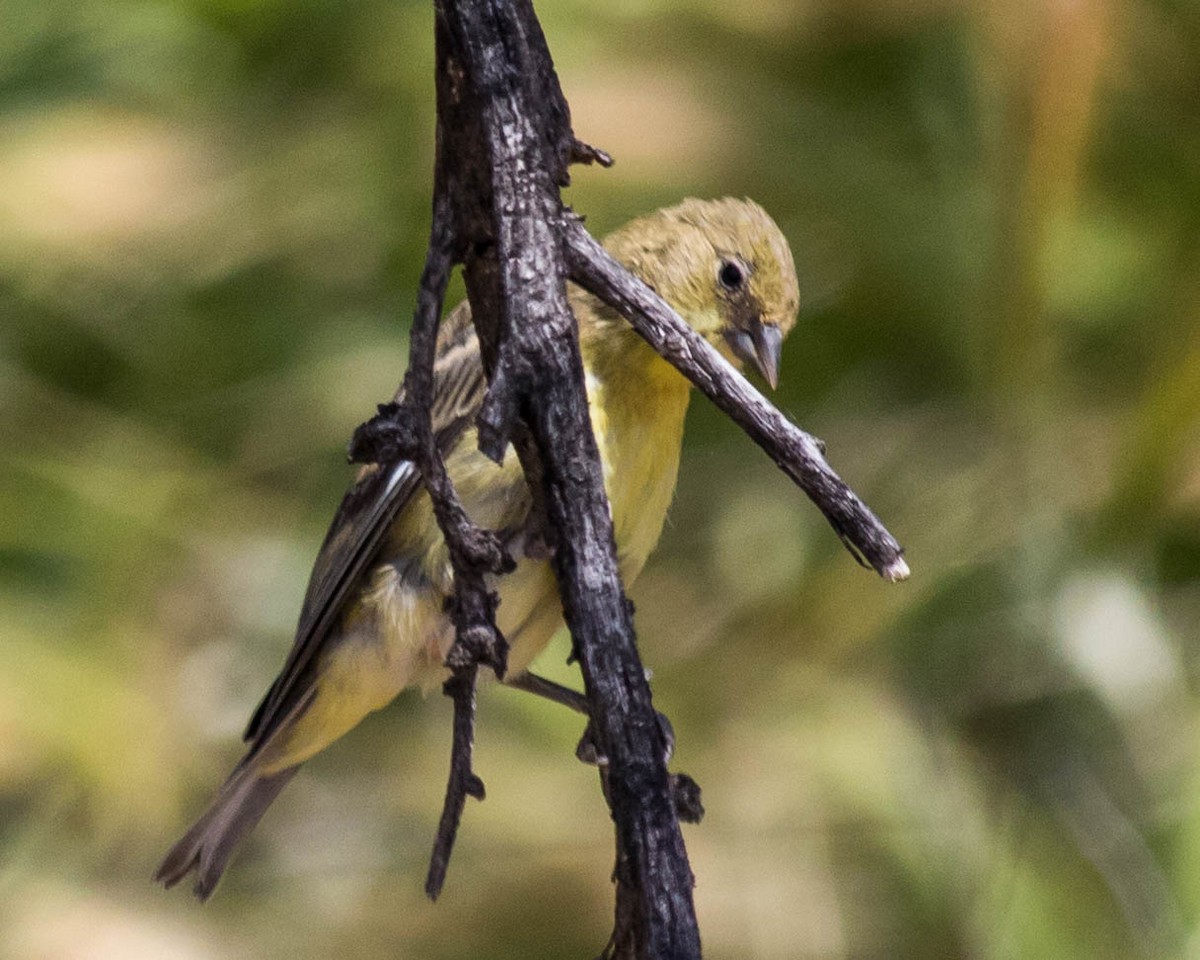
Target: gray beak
761,346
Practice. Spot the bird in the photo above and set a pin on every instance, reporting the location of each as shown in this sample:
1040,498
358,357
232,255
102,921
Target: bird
374,619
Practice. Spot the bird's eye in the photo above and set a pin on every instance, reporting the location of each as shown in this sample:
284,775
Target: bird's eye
731,275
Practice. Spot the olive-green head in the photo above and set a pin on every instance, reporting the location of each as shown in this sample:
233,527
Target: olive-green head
727,270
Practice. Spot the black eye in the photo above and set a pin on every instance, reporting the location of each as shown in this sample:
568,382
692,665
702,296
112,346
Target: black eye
731,275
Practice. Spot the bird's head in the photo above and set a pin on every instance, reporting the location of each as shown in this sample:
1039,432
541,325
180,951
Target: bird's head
726,269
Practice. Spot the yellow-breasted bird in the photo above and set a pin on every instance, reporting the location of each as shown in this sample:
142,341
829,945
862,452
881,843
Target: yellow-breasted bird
374,621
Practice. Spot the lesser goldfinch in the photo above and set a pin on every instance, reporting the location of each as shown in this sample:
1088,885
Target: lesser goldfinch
374,620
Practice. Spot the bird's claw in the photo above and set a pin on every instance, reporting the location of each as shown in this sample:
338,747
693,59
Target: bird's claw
685,792
588,750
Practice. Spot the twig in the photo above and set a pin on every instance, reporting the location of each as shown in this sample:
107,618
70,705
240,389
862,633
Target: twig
505,143
404,430
797,453
462,782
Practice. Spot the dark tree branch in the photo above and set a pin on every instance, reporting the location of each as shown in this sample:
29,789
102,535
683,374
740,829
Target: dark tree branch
504,146
473,553
404,430
463,781
628,939
797,454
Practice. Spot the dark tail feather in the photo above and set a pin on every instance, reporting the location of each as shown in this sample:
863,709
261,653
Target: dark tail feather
207,846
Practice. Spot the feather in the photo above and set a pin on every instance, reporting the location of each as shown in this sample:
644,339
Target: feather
366,514
207,846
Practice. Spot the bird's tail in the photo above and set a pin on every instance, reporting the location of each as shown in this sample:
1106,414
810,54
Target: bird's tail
208,845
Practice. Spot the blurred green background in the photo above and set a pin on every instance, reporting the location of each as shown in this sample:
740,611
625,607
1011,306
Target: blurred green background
212,217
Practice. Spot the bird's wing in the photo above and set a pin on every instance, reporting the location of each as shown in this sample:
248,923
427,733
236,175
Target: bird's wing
365,514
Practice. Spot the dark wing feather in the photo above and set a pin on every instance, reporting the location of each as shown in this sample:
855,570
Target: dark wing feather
365,514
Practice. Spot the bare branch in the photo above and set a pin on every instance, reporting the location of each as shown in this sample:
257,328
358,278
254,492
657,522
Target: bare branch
796,453
505,144
462,782
404,430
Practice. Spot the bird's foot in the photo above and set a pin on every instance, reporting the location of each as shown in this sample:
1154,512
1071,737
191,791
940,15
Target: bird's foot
479,644
588,751
686,793
585,153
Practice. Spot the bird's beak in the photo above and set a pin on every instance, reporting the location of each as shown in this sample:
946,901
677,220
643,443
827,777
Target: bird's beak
761,346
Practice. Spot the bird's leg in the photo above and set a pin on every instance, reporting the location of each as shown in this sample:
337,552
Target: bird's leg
587,750
548,689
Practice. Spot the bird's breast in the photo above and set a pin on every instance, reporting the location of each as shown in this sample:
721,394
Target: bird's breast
639,430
